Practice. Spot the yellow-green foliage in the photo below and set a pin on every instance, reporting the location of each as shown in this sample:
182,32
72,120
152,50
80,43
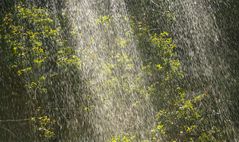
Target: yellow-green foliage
43,125
103,20
181,120
123,139
122,42
180,116
31,43
167,64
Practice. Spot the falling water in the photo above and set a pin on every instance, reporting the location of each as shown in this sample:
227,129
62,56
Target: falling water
112,100
204,55
112,68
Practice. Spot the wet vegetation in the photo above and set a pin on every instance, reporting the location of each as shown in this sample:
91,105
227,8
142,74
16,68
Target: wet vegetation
119,71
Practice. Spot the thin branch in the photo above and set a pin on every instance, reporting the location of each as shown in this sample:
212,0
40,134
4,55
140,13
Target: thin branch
14,120
155,3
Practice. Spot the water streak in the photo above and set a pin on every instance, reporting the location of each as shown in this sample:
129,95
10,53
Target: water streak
112,68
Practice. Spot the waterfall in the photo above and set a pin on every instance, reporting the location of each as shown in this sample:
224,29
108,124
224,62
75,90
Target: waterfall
111,67
203,52
101,70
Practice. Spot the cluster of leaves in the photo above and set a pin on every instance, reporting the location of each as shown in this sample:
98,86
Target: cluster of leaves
103,20
183,120
124,138
44,125
181,114
31,42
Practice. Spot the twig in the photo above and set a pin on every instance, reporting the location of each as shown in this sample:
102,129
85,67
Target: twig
155,3
14,120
